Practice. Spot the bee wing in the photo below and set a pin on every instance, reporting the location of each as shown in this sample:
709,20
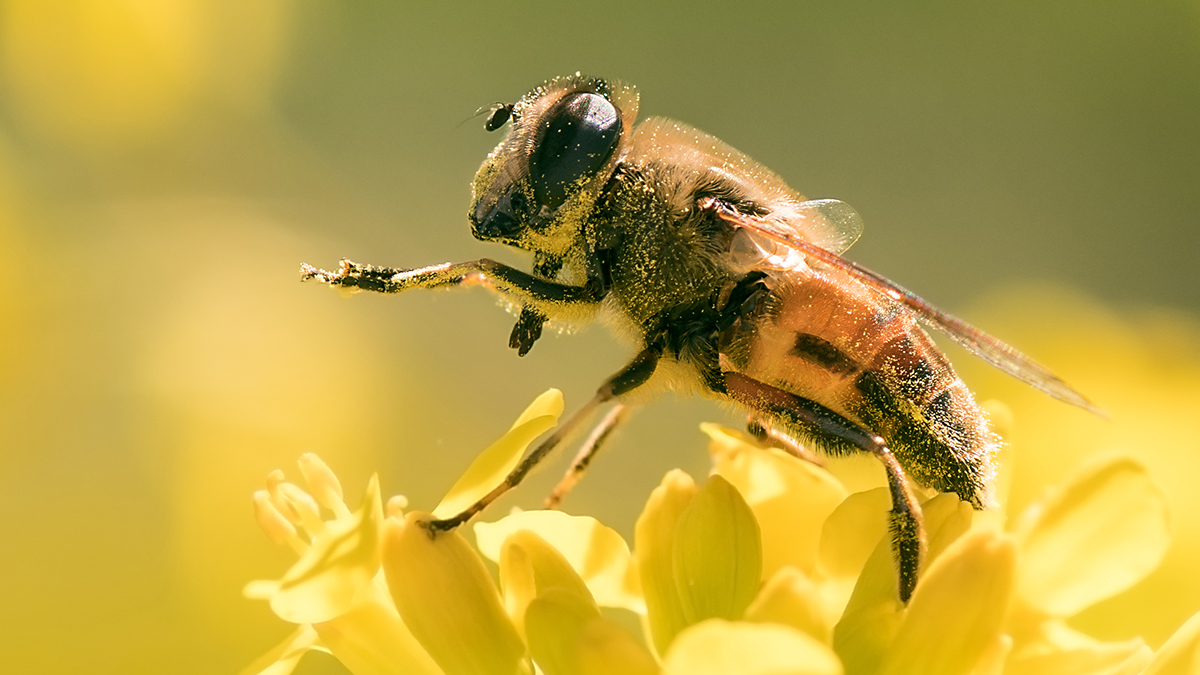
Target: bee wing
828,223
990,349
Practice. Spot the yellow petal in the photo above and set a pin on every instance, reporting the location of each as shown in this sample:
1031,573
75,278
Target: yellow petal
261,589
567,637
717,647
530,567
957,610
852,532
1180,655
604,648
283,657
873,613
790,598
323,483
549,402
598,554
517,586
790,498
1053,648
1136,664
276,526
332,575
946,519
995,656
863,636
371,639
717,554
447,599
554,622
1101,534
493,464
654,543
848,537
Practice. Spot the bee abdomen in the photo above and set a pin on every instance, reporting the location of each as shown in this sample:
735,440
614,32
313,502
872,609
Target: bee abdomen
824,353
925,378
914,366
952,410
929,416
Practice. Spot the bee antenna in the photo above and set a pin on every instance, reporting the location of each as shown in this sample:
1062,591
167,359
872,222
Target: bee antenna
499,114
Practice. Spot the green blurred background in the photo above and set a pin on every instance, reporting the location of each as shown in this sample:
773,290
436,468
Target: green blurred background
165,167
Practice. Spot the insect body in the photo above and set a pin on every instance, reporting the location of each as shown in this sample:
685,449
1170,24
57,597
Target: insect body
730,284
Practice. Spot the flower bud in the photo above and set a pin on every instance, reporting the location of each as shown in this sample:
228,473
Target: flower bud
790,498
566,637
970,585
530,567
596,552
717,554
323,484
718,647
447,599
270,520
337,570
654,543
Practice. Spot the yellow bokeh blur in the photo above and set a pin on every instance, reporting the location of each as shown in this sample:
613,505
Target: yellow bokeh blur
12,255
1143,368
89,72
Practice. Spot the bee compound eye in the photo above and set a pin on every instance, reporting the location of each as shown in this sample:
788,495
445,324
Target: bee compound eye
579,135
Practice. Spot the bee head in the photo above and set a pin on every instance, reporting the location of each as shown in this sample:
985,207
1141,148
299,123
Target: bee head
564,141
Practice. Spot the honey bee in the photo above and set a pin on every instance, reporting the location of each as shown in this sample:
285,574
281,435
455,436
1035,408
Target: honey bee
730,284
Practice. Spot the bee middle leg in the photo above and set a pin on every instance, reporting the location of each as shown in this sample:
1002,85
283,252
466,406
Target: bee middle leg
587,452
528,328
907,529
627,379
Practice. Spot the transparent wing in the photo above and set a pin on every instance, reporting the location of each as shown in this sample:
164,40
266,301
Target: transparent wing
828,223
990,349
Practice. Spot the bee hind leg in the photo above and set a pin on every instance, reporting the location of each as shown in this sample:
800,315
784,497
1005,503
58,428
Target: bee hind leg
906,523
587,452
770,437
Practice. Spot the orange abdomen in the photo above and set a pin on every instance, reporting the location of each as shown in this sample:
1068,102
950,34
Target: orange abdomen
830,339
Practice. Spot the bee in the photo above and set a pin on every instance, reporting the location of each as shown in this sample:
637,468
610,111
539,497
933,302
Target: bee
730,284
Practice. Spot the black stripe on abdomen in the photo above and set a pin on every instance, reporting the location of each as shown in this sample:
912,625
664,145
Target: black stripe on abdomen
822,352
943,410
948,461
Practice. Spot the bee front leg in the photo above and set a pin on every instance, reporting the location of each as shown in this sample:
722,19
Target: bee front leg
523,287
627,379
907,528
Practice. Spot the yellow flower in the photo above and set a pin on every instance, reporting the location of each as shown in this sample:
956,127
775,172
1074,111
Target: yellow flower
769,566
410,614
334,592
